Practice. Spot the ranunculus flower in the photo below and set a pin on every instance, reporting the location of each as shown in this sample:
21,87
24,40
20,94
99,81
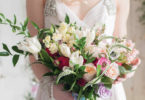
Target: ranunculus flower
65,50
31,45
81,82
103,62
103,92
57,36
90,72
62,62
75,58
113,71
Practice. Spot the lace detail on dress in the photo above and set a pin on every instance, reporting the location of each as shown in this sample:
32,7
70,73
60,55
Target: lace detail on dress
110,5
50,8
45,91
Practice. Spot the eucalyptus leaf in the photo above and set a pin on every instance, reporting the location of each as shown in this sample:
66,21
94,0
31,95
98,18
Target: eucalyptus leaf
15,19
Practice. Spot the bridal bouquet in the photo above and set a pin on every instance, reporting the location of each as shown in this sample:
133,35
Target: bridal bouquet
84,60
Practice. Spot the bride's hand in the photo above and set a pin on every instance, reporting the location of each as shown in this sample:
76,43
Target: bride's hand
135,64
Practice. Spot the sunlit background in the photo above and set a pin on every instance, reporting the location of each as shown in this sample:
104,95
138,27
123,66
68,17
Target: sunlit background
16,83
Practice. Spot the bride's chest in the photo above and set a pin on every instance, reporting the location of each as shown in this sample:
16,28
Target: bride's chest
55,11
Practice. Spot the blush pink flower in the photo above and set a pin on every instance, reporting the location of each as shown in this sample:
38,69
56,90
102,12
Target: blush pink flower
113,71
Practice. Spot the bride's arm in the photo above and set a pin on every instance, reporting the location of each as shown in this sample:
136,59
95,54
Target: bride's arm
35,9
123,7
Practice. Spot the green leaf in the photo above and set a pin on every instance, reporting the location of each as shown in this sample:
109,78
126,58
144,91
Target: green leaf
46,57
16,49
35,26
52,29
4,54
15,59
98,70
24,27
2,15
15,19
5,47
9,21
127,67
67,20
64,73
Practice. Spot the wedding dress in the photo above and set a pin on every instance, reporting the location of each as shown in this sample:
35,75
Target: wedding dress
104,12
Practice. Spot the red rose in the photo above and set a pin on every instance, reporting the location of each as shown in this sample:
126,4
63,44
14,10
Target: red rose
95,61
63,61
81,82
50,54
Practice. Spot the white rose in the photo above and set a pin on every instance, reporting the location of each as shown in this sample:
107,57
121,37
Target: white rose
31,45
76,59
63,28
81,34
53,48
57,36
90,72
65,50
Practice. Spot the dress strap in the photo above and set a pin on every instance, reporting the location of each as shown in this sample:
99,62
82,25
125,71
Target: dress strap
50,8
111,7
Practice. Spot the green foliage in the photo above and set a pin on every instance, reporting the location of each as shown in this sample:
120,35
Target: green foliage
107,82
4,54
98,70
80,44
88,57
5,47
15,48
67,20
15,59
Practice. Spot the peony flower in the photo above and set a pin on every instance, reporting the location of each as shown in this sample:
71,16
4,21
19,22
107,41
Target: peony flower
103,92
90,72
31,45
57,37
76,59
53,48
63,62
63,28
113,71
65,50
81,82
103,62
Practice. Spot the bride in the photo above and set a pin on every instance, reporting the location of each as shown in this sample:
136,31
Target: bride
112,13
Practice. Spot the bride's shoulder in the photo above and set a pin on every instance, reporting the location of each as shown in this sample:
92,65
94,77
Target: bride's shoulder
122,4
